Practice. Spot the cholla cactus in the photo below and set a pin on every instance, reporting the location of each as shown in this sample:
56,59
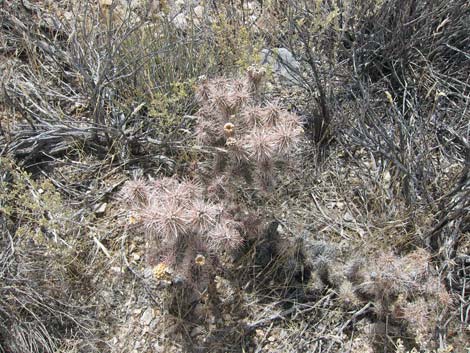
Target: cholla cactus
185,231
401,288
253,137
189,224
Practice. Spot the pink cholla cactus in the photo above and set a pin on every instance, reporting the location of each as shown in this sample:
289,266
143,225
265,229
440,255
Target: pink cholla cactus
189,224
253,136
180,224
136,193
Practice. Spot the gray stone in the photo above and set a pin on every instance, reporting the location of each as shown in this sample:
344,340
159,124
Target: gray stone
282,62
198,330
180,22
100,208
348,217
148,272
147,317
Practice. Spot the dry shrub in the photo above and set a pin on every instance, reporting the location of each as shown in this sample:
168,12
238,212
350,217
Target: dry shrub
41,308
110,78
413,104
44,285
387,86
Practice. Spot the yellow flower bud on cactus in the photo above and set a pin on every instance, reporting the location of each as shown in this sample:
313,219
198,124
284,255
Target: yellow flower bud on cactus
256,73
229,129
161,271
200,260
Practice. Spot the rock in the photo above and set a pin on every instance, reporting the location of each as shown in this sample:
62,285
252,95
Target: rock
184,15
252,6
198,15
387,179
179,4
348,217
117,269
148,272
339,205
100,208
147,317
199,11
180,22
282,62
153,324
68,16
198,330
